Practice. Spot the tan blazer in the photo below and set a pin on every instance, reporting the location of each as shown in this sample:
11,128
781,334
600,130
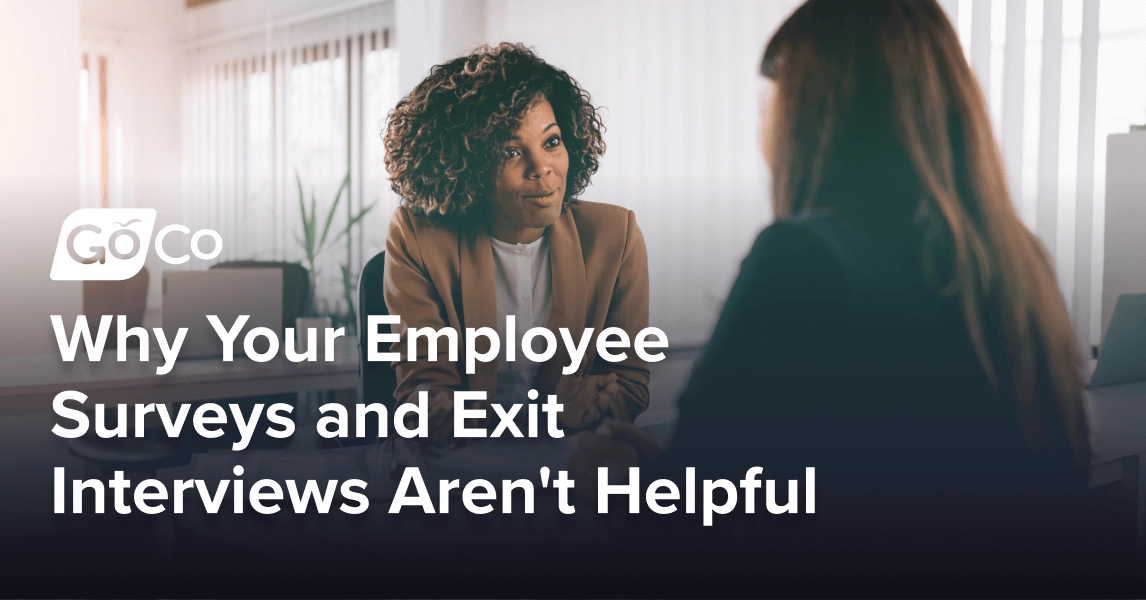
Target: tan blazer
437,276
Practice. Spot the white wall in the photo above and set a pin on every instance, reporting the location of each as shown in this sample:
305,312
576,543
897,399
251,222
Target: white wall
463,26
39,187
143,40
223,18
433,31
39,164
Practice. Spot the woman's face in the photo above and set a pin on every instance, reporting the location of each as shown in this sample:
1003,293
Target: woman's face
767,121
530,187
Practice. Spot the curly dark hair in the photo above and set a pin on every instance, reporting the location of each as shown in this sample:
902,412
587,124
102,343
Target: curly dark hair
443,141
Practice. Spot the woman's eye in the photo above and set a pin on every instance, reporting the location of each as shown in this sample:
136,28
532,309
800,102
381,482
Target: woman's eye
553,142
511,152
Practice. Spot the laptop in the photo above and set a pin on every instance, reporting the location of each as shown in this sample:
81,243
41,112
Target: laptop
189,296
1122,358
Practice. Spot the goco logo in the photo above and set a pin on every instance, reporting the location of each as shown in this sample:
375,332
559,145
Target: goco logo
111,244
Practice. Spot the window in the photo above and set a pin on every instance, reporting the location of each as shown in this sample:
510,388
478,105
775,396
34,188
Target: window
298,104
1055,95
95,146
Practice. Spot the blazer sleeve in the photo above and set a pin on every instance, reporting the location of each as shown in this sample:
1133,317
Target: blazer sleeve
410,293
629,310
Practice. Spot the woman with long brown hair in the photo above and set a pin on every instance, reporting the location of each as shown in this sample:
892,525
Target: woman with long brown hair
900,133
897,328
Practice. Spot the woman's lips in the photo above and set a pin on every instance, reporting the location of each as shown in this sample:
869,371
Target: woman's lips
543,200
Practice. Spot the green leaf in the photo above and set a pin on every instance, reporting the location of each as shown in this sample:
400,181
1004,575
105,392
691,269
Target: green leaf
308,243
358,217
353,221
311,228
333,207
313,214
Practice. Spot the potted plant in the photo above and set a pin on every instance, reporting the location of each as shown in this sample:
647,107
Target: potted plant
317,237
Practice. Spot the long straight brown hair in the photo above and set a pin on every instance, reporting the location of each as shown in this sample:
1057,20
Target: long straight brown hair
878,117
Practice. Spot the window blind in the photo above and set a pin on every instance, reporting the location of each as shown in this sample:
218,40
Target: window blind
300,101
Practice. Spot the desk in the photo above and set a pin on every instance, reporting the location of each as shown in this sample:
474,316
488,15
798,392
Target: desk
29,383
1118,421
1118,441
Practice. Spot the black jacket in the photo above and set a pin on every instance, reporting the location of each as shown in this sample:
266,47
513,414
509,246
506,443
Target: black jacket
834,351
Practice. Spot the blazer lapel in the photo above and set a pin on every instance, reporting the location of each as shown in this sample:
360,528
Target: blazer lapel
479,304
569,301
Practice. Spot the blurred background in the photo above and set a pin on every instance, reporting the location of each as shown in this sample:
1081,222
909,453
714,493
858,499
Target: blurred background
217,113
224,114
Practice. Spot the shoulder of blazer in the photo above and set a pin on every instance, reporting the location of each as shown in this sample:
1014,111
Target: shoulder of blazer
419,225
601,225
416,231
600,215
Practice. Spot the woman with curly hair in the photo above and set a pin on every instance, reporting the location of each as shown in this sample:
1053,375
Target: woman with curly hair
489,154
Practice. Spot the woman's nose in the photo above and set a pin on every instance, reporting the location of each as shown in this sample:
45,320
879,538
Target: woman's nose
538,168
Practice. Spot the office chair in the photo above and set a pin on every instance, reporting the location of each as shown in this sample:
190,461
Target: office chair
378,378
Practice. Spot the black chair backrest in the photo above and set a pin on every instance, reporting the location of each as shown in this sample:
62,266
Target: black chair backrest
378,378
296,284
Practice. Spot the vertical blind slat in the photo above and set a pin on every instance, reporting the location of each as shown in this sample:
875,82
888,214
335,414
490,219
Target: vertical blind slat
981,43
1084,222
1050,105
1014,82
